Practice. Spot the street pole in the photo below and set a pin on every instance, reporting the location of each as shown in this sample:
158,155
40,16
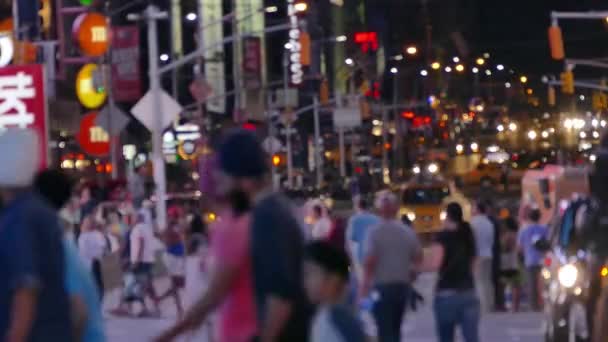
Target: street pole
236,63
398,148
385,167
317,144
287,121
342,152
152,15
272,136
111,105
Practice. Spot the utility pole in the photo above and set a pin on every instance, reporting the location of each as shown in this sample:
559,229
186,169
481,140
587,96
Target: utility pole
153,14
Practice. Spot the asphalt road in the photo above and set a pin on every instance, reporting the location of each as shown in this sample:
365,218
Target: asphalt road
418,327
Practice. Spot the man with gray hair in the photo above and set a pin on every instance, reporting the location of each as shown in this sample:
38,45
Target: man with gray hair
393,250
34,305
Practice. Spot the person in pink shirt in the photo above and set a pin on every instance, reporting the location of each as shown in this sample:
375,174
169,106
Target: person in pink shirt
230,288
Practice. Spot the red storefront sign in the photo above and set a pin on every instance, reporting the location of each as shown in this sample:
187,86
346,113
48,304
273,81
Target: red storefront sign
126,80
252,62
23,103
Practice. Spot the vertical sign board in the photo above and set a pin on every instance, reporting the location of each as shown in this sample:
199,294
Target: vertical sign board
213,35
252,62
251,27
295,48
126,80
23,103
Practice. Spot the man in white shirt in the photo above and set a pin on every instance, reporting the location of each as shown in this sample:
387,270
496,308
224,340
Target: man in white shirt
484,239
142,255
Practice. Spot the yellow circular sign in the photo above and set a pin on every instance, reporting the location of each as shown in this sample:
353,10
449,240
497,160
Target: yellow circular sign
90,87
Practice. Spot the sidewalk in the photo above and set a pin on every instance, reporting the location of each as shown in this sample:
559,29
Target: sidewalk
126,329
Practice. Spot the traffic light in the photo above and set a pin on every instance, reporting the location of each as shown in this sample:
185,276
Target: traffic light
567,78
556,42
277,160
45,14
551,96
305,48
324,92
600,100
25,53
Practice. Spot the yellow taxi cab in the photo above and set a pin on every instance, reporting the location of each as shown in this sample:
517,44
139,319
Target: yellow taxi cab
423,205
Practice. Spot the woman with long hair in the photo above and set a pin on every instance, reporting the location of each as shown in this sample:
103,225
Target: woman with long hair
453,255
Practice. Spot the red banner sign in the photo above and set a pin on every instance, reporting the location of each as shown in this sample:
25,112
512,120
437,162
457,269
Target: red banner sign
252,62
23,103
126,80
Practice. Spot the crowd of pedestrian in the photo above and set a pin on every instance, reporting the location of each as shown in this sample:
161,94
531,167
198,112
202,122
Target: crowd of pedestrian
264,273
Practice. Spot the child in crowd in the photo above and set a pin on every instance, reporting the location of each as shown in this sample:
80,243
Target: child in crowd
326,279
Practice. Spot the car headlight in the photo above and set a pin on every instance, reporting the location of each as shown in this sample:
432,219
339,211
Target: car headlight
433,168
459,148
475,147
416,170
567,275
411,216
443,216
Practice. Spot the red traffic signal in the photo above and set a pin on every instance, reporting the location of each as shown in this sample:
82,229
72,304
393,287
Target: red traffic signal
367,41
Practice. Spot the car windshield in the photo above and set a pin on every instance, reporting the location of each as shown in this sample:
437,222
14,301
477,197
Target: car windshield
421,196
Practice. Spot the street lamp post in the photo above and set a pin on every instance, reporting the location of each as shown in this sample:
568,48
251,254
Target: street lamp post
287,120
153,14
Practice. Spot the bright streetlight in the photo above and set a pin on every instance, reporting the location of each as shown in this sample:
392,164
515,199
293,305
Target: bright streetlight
349,61
411,50
191,16
532,135
164,57
435,66
271,9
394,70
500,67
488,72
500,128
341,39
475,70
523,79
460,68
480,61
512,127
424,73
398,57
545,134
448,69
456,59
507,85
301,6
288,46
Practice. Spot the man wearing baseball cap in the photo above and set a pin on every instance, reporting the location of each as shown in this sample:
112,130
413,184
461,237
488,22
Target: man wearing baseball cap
277,244
33,303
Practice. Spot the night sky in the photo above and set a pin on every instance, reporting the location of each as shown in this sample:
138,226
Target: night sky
516,31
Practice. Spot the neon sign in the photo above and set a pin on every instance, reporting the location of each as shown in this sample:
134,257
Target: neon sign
295,48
